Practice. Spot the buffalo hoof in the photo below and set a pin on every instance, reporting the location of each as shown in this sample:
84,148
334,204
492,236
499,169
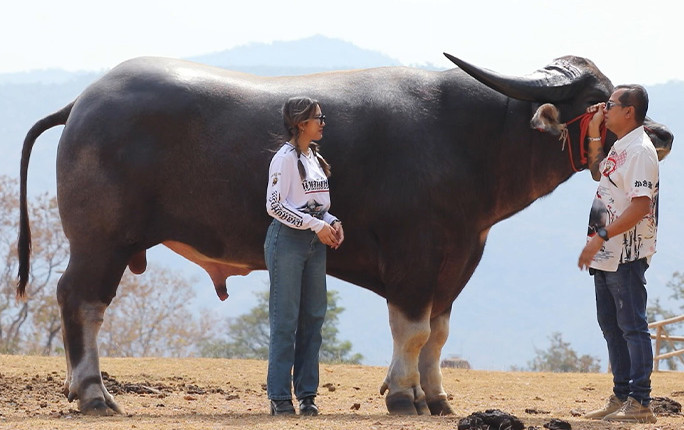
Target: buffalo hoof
99,407
440,407
422,407
67,393
403,404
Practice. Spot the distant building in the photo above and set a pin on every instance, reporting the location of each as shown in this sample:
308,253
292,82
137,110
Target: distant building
455,362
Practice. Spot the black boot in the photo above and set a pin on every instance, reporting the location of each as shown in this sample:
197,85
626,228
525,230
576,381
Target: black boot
282,407
307,406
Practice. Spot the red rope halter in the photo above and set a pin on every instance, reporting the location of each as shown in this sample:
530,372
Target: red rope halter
584,120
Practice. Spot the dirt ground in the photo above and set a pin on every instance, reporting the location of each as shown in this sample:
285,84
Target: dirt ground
159,394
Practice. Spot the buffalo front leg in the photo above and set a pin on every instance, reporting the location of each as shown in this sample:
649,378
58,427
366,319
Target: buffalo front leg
406,397
429,366
82,317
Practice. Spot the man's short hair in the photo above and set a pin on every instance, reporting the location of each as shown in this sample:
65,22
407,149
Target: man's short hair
636,96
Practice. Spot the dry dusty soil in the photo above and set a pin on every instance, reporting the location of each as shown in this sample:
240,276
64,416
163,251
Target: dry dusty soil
159,394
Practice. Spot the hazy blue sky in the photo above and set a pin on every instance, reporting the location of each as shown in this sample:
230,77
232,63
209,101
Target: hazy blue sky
630,40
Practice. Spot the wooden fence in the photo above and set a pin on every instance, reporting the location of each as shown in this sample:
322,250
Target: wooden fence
661,337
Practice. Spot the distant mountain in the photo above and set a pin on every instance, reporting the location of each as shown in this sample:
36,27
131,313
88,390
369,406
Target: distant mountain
46,76
309,55
527,285
313,54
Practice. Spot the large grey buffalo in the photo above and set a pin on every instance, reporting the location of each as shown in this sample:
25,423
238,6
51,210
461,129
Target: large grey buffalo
161,151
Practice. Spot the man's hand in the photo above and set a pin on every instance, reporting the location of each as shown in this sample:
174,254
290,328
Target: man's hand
597,119
590,249
595,148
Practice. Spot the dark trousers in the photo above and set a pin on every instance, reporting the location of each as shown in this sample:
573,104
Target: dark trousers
621,310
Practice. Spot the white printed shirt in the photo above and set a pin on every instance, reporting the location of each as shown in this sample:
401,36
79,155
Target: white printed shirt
630,170
300,204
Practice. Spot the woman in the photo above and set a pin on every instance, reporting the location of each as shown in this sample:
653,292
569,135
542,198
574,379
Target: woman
295,249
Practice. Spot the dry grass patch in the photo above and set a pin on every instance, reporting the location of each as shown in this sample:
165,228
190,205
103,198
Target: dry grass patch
159,394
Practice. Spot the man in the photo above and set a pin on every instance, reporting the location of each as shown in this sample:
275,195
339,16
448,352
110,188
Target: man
622,238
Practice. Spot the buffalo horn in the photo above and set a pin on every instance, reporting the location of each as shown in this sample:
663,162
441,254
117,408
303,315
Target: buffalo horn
554,83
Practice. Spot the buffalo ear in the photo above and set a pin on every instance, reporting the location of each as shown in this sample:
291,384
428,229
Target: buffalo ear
545,119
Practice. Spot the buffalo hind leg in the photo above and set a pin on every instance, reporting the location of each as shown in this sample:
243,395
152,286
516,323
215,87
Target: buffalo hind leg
428,365
84,292
406,397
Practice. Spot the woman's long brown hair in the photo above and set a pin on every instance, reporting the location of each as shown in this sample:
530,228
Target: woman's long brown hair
295,111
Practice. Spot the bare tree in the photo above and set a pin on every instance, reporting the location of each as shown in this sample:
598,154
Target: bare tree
151,316
22,323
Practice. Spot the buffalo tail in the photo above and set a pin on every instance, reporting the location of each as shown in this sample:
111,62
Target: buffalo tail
24,242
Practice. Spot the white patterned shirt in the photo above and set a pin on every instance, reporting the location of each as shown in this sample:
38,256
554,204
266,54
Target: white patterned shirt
630,170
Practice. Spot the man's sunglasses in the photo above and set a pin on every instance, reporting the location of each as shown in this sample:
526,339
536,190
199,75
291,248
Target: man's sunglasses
610,104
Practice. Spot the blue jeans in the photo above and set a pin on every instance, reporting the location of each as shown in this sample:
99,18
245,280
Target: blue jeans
621,309
298,300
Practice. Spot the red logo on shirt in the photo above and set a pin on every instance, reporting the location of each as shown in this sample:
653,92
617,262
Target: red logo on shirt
609,166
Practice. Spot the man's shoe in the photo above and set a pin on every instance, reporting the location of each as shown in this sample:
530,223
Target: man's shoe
308,407
282,407
612,405
632,412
